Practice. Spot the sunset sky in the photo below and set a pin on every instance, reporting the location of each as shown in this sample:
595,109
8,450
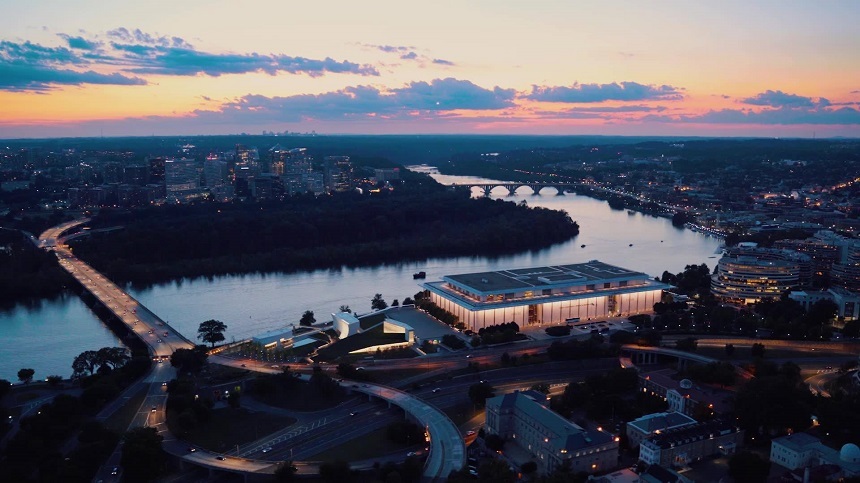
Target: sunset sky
707,68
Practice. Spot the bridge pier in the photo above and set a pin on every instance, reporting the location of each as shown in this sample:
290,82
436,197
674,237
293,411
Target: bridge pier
487,190
512,189
559,190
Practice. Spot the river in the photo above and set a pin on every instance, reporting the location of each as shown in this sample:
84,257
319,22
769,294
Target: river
252,304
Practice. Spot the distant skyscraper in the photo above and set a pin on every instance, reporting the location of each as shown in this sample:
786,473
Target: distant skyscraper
182,180
156,170
135,175
339,173
111,172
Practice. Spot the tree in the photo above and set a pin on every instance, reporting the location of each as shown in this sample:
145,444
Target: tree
26,375
142,456
757,350
408,301
345,308
851,329
688,344
528,467
234,399
211,331
748,467
112,357
189,361
85,362
286,472
396,303
336,472
54,380
494,442
479,393
496,471
378,303
730,349
308,318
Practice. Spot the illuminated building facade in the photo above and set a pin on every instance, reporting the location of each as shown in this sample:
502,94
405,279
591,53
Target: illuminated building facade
546,295
678,447
551,439
745,279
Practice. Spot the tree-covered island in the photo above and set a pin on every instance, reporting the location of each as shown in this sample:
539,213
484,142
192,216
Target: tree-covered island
306,233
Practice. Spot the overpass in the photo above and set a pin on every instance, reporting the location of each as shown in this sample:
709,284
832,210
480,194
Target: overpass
649,355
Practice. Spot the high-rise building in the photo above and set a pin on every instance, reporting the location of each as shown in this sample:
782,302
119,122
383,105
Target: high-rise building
216,172
111,172
747,279
338,173
135,175
182,180
156,170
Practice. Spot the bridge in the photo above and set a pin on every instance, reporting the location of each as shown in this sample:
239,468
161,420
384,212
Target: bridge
447,447
513,186
649,355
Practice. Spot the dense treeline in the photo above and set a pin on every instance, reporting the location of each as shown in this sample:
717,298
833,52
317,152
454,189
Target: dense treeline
307,233
27,272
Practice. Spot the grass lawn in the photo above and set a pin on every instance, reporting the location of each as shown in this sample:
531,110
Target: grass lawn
120,420
296,395
229,427
370,445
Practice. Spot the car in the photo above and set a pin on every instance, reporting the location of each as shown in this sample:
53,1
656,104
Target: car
359,368
159,340
220,458
150,331
163,383
829,367
192,449
468,356
243,365
353,413
437,389
154,409
161,361
267,449
115,470
411,453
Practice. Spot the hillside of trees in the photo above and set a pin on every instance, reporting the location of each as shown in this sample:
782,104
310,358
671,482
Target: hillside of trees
305,233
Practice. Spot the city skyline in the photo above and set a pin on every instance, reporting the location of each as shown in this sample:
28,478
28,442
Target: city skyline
663,68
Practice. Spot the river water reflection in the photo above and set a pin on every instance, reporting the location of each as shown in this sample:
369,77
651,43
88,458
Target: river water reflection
252,304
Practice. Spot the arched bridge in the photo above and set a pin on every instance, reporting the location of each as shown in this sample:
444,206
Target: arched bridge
512,187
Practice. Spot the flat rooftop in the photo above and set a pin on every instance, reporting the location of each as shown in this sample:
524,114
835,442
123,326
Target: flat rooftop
543,277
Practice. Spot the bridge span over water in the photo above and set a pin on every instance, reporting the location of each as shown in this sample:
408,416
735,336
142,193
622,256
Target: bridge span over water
513,186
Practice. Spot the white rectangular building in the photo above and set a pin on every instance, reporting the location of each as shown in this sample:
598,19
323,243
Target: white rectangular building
546,295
